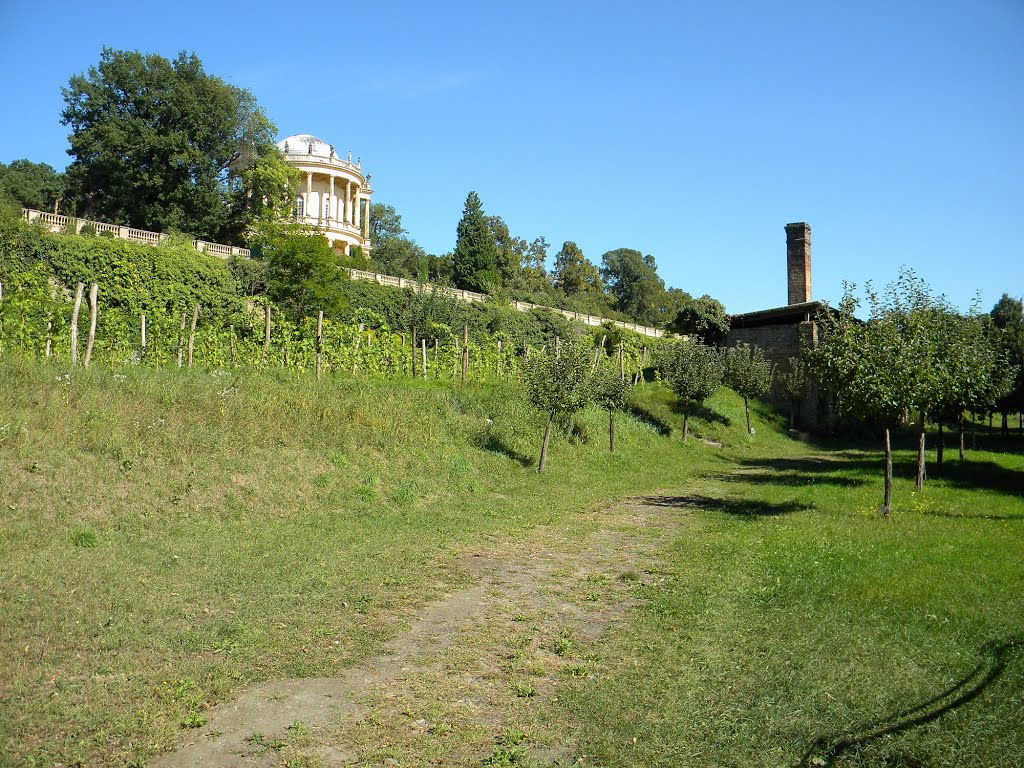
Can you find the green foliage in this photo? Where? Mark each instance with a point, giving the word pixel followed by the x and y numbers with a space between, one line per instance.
pixel 747 371
pixel 704 318
pixel 474 262
pixel 634 284
pixel 558 383
pixel 693 372
pixel 31 185
pixel 609 390
pixel 303 276
pixel 574 273
pixel 393 252
pixel 156 142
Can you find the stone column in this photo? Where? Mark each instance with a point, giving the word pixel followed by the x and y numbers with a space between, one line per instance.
pixel 308 194
pixel 359 211
pixel 330 201
pixel 367 220
pixel 348 202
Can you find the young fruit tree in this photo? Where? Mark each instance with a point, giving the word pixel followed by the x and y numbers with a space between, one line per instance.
pixel 748 373
pixel 693 371
pixel 609 392
pixel 557 384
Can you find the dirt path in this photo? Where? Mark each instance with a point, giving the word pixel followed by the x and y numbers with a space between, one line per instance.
pixel 466 678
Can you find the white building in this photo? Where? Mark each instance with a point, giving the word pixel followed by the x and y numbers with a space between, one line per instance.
pixel 335 195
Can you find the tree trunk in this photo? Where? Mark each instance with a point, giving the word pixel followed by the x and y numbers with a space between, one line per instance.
pixel 746 409
pixel 319 343
pixel 919 482
pixel 792 416
pixel 887 501
pixel 974 431
pixel 1006 426
pixel 961 437
pixel 181 339
pixel 938 452
pixel 266 333
pixel 192 334
pixel 611 430
pixel 544 444
pixel 686 424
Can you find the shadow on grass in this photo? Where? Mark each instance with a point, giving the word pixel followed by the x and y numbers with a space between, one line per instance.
pixel 642 414
pixel 488 441
pixel 703 413
pixel 790 479
pixel 738 507
pixel 827 749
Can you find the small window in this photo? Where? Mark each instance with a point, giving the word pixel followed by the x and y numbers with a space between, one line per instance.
pixel 299 207
pixel 327 208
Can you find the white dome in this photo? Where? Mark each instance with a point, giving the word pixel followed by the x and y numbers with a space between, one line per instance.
pixel 304 143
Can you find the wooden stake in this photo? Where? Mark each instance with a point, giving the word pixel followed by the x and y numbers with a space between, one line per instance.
pixel 423 347
pixel 622 364
pixel 319 342
pixel 558 347
pixel 49 335
pixel 355 354
pixel 181 332
pixel 192 334
pixel 465 351
pixel 74 323
pixel 142 346
pixel 93 313
pixel 414 345
pixel 266 333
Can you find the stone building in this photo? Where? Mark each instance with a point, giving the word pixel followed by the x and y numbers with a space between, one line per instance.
pixel 783 332
pixel 334 194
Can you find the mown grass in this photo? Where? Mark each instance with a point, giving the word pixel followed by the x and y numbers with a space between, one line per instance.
pixel 793 625
pixel 170 535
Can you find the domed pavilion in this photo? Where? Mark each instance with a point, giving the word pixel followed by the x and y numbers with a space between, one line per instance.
pixel 335 195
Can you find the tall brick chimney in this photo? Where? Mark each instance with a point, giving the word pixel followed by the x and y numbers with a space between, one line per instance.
pixel 798 262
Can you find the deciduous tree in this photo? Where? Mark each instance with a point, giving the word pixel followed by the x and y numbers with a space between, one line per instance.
pixel 557 383
pixel 609 392
pixel 748 373
pixel 693 371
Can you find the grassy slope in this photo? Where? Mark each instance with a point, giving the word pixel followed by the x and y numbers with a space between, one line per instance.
pixel 265 526
pixel 250 527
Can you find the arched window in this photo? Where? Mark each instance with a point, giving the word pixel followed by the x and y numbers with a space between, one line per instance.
pixel 299 203
pixel 327 207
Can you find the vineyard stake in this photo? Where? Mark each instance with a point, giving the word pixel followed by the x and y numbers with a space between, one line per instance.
pixel 142 348
pixel 93 312
pixel 231 344
pixel 181 332
pixel 319 342
pixel 192 334
pixel 266 333
pixel 74 323
pixel 465 351
pixel 423 346
pixel 49 335
pixel 355 355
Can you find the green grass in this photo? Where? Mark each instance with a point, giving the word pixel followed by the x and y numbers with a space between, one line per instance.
pixel 168 536
pixel 795 626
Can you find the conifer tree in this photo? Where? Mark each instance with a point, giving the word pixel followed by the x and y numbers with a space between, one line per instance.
pixel 475 260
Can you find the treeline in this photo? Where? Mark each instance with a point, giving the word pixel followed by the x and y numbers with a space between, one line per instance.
pixel 490 259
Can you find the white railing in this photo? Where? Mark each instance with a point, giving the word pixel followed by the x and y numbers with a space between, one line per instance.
pixel 57 223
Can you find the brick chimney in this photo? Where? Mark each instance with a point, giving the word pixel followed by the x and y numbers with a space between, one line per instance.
pixel 798 262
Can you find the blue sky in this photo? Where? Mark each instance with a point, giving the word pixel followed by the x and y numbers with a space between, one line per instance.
pixel 690 131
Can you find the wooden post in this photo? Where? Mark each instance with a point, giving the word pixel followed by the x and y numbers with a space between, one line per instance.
pixel 622 364
pixel 597 355
pixel 266 333
pixel 142 345
pixel 181 332
pixel 558 347
pixel 192 334
pixel 231 343
pixel 319 342
pixel 93 312
pixel 919 481
pixel 887 501
pixel 465 351
pixel 49 335
pixel 414 350
pixel 74 323
pixel 355 354
pixel 423 346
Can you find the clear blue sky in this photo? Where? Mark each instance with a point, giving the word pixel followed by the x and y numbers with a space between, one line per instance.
pixel 690 131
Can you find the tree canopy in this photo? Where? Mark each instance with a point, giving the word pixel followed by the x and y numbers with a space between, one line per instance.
pixel 693 371
pixel 475 260
pixel 633 283
pixel 704 318
pixel 162 145
pixel 394 253
pixel 31 185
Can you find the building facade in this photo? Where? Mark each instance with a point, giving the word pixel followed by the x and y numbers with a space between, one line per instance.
pixel 334 195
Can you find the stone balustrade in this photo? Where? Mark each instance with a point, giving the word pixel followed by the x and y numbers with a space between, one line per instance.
pixel 58 223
